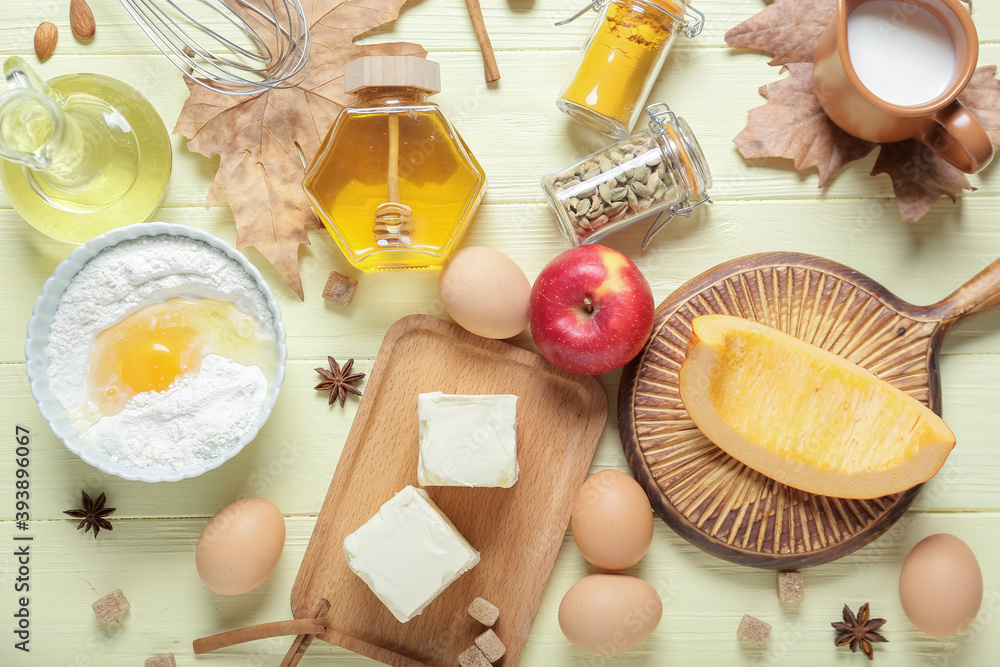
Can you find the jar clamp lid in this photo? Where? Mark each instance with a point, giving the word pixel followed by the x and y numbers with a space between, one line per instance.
pixel 688 161
pixel 691 28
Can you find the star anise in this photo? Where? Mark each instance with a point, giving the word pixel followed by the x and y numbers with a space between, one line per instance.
pixel 859 631
pixel 92 515
pixel 338 381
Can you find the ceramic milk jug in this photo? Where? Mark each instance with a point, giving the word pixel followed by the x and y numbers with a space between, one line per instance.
pixel 889 70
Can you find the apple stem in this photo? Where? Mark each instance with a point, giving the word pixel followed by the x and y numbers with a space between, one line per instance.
pixel 588 304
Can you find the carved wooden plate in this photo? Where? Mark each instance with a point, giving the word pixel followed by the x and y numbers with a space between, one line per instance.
pixel 713 500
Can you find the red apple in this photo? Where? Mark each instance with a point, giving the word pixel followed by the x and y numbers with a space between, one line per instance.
pixel 591 310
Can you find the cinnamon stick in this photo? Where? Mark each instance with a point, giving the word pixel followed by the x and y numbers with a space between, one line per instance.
pixel 489 60
pixel 302 642
pixel 262 631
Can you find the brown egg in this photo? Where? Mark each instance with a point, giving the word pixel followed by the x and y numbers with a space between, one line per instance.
pixel 941 585
pixel 240 546
pixel 612 520
pixel 486 292
pixel 609 613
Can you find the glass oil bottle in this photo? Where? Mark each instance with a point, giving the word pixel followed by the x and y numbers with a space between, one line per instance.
pixel 80 154
pixel 394 183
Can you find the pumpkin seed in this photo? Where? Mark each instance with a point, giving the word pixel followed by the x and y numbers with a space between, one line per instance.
pixel 633 201
pixel 605 191
pixel 653 182
pixel 595 210
pixel 616 210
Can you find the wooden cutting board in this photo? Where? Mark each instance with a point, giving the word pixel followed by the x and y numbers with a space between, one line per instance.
pixel 518 531
pixel 713 500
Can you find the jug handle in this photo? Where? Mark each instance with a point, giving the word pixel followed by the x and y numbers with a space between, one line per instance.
pixel 20 76
pixel 958 138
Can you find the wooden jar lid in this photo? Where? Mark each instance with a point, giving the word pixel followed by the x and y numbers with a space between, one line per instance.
pixel 384 71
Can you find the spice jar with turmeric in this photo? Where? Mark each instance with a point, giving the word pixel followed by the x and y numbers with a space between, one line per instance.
pixel 621 59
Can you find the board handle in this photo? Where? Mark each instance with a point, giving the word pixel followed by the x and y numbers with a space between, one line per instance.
pixel 979 295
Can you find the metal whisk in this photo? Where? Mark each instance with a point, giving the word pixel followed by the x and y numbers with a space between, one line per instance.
pixel 275 59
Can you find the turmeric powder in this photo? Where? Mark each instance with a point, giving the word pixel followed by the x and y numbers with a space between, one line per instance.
pixel 620 63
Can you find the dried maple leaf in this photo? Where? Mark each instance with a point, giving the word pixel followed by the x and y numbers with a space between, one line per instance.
pixel 919 175
pixel 793 125
pixel 787 29
pixel 259 138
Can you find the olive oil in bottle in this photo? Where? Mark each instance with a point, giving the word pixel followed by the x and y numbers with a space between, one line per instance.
pixel 81 154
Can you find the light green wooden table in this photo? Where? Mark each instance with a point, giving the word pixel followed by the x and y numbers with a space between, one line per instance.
pixel 517 133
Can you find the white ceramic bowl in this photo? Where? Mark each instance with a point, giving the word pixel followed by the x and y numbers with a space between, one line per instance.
pixel 38 361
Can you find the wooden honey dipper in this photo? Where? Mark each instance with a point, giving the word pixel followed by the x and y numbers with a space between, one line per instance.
pixel 394 226
pixel 393 219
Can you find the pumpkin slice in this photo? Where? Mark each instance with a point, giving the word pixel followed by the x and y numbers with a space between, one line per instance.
pixel 804 416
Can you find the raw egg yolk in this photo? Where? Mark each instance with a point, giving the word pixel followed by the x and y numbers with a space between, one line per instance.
pixel 153 347
pixel 152 364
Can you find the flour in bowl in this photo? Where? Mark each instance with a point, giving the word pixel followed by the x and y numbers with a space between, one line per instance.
pixel 194 420
pixel 160 351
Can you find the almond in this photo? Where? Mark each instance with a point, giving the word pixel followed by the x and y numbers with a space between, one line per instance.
pixel 46 36
pixel 81 20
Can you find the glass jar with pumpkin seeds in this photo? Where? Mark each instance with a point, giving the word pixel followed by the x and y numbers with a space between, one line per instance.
pixel 658 172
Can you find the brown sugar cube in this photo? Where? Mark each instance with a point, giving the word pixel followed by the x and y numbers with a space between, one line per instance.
pixel 473 657
pixel 790 587
pixel 491 646
pixel 484 611
pixel 161 660
pixel 754 630
pixel 111 606
pixel 340 288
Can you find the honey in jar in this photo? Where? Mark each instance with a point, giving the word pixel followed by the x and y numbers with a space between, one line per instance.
pixel 394 183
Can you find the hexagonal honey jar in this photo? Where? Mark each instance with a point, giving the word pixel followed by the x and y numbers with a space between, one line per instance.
pixel 394 183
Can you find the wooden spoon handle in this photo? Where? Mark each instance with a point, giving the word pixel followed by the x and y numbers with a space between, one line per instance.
pixel 300 626
pixel 979 295
pixel 489 59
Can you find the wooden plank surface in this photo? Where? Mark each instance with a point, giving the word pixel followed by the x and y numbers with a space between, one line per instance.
pixel 150 554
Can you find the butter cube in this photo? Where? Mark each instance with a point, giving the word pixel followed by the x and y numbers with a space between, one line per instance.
pixel 467 440
pixel 409 553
